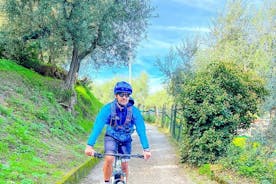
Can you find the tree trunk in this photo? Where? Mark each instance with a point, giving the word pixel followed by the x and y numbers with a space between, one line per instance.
pixel 72 77
pixel 73 71
pixel 51 56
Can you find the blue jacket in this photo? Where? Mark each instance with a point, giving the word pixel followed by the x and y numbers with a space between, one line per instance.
pixel 104 119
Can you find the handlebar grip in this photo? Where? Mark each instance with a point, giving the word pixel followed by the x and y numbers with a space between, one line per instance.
pixel 98 155
pixel 138 156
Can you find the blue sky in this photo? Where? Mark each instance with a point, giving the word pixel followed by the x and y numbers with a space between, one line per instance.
pixel 177 19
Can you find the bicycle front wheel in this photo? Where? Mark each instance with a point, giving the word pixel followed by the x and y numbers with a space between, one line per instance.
pixel 120 182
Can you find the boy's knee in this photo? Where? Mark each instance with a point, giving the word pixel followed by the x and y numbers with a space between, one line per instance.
pixel 124 165
pixel 109 161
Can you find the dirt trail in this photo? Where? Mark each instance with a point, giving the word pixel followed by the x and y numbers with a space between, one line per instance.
pixel 162 168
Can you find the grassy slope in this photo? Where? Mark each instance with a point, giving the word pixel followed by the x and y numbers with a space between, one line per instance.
pixel 40 141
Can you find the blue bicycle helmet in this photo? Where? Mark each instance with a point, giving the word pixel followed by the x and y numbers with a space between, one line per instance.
pixel 122 87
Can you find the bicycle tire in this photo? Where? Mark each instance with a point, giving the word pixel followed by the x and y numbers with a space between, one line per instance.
pixel 120 182
pixel 117 176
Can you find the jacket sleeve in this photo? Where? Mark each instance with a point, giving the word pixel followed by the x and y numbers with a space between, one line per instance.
pixel 100 121
pixel 140 127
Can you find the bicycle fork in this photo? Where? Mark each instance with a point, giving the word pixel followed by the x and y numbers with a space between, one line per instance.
pixel 118 176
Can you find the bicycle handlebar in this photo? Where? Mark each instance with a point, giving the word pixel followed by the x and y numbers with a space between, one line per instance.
pixel 101 155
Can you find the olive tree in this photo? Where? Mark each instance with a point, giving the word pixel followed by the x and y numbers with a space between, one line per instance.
pixel 252 45
pixel 104 31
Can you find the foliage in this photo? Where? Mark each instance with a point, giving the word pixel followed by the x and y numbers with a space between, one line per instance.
pixel 23 53
pixel 87 107
pixel 104 92
pixel 252 160
pixel 177 65
pixel 270 102
pixel 140 86
pixel 103 30
pixel 149 118
pixel 36 131
pixel 270 135
pixel 216 103
pixel 239 142
pixel 205 169
pixel 252 45
pixel 158 99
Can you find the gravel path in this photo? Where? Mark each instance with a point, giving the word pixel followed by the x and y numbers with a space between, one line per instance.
pixel 162 168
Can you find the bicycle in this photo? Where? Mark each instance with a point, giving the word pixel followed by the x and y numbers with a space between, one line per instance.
pixel 118 176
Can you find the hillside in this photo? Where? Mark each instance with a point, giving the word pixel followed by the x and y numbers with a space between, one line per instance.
pixel 40 140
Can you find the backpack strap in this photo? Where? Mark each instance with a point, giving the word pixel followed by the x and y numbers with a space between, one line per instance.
pixel 128 116
pixel 113 118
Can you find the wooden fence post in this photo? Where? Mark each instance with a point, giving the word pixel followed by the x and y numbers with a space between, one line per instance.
pixel 174 120
pixel 156 113
pixel 171 120
pixel 163 116
pixel 179 132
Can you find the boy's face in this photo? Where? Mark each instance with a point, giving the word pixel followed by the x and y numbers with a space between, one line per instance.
pixel 122 98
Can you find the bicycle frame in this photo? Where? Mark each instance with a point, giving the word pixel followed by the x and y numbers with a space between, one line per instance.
pixel 118 175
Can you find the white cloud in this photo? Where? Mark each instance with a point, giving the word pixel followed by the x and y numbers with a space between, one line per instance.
pixel 153 43
pixel 177 28
pixel 164 42
pixel 139 61
pixel 155 84
pixel 153 47
pixel 209 5
pixel 100 81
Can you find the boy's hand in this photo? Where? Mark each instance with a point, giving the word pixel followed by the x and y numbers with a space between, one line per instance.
pixel 89 150
pixel 147 154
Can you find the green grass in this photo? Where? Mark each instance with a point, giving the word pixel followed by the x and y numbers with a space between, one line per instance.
pixel 40 141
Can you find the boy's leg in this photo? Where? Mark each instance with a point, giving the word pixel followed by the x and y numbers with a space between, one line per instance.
pixel 111 147
pixel 107 167
pixel 125 148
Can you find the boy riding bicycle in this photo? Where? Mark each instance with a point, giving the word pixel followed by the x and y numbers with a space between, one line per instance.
pixel 120 118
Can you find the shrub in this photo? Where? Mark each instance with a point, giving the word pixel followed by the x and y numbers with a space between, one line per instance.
pixel 149 118
pixel 205 169
pixel 239 142
pixel 216 103
pixel 252 160
pixel 270 134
